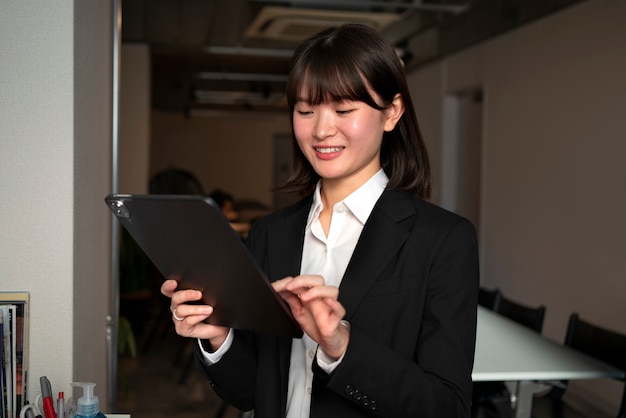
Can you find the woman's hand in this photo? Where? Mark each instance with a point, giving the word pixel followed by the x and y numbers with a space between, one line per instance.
pixel 316 308
pixel 189 319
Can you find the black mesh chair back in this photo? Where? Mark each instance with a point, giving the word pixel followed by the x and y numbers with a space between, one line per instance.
pixel 603 344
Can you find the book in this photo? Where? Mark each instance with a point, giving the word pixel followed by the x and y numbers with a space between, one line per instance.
pixel 3 406
pixel 7 344
pixel 14 309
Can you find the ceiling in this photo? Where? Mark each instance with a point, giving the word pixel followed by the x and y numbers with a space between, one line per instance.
pixel 224 55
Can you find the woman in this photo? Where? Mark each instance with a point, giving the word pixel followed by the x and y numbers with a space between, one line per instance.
pixel 383 283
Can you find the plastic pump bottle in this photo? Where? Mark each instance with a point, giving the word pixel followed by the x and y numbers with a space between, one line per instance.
pixel 88 405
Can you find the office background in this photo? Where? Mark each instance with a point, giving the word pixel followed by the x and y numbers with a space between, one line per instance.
pixel 545 103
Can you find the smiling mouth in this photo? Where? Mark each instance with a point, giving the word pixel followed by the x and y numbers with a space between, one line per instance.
pixel 328 150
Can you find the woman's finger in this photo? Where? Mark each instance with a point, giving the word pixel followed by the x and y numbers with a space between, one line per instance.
pixel 279 285
pixel 318 292
pixel 185 296
pixel 169 287
pixel 185 310
pixel 304 281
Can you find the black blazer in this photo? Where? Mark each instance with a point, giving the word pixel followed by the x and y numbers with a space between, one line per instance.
pixel 410 293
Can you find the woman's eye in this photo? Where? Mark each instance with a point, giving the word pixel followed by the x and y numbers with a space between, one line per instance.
pixel 344 111
pixel 303 112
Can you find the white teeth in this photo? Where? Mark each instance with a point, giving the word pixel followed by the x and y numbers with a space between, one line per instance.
pixel 328 150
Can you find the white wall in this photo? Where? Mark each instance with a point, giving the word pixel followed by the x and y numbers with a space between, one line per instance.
pixel 553 229
pixel 54 170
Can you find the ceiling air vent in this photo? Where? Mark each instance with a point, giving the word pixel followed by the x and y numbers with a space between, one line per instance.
pixel 295 24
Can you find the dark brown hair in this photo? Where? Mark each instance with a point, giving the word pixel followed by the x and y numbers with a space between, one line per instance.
pixel 340 63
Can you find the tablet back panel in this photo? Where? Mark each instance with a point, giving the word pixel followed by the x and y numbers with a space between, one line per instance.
pixel 188 238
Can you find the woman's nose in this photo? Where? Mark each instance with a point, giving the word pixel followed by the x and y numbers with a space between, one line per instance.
pixel 325 125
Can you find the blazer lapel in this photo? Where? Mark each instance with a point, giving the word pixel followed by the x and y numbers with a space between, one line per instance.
pixel 286 241
pixel 382 237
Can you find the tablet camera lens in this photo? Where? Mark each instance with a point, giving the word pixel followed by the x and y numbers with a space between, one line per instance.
pixel 120 210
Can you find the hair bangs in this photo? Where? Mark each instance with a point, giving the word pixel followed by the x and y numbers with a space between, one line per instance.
pixel 325 79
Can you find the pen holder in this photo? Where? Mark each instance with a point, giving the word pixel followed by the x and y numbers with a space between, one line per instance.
pixel 67 411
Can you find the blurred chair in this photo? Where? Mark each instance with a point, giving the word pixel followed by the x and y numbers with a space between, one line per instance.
pixel 493 399
pixel 489 298
pixel 598 342
pixel 531 317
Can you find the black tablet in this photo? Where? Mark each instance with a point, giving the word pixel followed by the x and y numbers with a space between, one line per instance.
pixel 188 238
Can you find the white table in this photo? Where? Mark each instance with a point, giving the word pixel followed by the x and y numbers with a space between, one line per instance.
pixel 507 351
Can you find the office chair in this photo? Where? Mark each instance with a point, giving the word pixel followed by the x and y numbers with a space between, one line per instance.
pixel 493 399
pixel 489 298
pixel 598 342
pixel 528 316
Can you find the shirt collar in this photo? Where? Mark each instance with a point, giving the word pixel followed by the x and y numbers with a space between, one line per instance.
pixel 360 202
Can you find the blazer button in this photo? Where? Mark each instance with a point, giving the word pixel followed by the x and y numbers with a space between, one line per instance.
pixel 349 390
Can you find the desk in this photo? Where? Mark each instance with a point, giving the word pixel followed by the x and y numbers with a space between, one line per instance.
pixel 507 351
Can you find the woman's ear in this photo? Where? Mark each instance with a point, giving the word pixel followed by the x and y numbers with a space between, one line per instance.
pixel 394 112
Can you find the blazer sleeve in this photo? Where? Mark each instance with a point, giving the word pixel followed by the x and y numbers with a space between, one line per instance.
pixel 423 366
pixel 233 377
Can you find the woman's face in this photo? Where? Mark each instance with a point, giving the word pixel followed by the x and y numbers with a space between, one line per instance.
pixel 342 140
